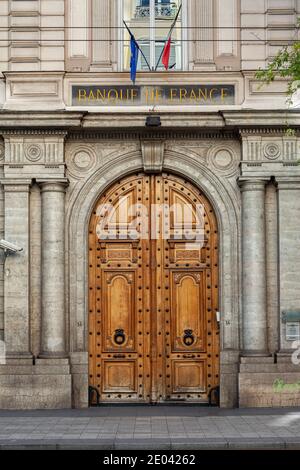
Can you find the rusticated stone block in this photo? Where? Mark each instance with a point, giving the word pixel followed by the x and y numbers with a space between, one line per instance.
pixel 269 389
pixel 35 391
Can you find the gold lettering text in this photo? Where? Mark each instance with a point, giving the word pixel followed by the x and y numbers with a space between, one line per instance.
pixel 212 92
pixel 224 93
pixel 81 94
pixel 193 95
pixel 101 95
pixel 173 93
pixel 182 93
pixel 158 94
pixel 112 95
pixel 133 94
pixel 91 96
pixel 203 94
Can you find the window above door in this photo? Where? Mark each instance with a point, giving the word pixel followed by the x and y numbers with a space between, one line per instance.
pixel 150 22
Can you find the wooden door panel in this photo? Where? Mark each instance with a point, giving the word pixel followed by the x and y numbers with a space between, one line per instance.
pixel 191 267
pixel 118 294
pixel 182 211
pixel 153 292
pixel 114 251
pixel 188 254
pixel 188 311
pixel 119 214
pixel 189 376
pixel 119 377
pixel 119 300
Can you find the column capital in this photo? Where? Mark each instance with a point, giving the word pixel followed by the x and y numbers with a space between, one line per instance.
pixel 16 184
pixel 57 185
pixel 288 183
pixel 252 184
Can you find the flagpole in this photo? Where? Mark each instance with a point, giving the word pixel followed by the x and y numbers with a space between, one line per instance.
pixel 132 36
pixel 170 32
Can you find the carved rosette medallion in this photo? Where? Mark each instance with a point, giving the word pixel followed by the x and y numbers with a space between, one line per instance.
pixel 271 151
pixel 33 152
pixel 223 160
pixel 82 161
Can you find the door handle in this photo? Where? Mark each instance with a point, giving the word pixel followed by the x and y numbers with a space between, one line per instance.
pixel 188 338
pixel 119 356
pixel 189 356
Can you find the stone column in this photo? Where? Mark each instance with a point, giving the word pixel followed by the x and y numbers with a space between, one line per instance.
pixel 289 249
pixel 53 269
pixel 35 269
pixel 16 269
pixel 272 267
pixel 254 267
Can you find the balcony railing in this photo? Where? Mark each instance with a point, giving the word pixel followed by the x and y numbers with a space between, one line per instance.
pixel 161 11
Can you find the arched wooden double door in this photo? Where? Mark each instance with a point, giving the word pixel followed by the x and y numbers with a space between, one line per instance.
pixel 153 292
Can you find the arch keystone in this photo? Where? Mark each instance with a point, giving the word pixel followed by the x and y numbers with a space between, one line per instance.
pixel 153 155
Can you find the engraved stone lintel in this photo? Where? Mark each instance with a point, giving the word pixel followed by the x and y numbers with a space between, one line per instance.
pixel 153 155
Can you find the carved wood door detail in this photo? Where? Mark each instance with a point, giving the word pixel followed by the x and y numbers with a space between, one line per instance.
pixel 153 292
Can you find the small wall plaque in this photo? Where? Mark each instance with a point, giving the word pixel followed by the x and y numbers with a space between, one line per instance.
pixel 290 316
pixel 292 332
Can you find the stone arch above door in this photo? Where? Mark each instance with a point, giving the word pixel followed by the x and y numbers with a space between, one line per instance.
pixel 225 201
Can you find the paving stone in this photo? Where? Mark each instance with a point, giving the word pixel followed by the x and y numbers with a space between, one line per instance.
pixel 213 428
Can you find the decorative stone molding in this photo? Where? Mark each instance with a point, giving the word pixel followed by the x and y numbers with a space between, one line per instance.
pixel 82 160
pixel 163 134
pixel 33 152
pixel 265 149
pixel 153 155
pixel 37 154
pixel 21 149
pixel 223 159
pixel 272 151
pixel 25 132
pixel 34 90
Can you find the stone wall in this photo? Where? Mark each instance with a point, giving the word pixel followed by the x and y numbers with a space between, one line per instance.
pixel 51 180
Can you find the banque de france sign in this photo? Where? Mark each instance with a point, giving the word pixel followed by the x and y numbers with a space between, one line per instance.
pixel 139 95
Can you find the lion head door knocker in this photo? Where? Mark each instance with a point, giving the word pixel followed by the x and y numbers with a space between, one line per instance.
pixel 119 337
pixel 188 338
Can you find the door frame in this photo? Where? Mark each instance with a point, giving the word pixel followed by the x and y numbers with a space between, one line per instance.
pixel 225 203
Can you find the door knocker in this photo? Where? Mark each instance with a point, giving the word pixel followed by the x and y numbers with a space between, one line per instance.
pixel 119 337
pixel 188 338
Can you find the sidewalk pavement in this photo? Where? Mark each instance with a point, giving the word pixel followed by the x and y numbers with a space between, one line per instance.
pixel 151 427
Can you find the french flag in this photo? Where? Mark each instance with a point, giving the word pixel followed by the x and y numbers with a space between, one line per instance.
pixel 166 54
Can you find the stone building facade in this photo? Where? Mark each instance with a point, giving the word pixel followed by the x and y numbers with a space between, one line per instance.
pixel 60 151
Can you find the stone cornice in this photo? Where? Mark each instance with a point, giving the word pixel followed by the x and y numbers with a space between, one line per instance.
pixel 249 119
pixel 270 131
pixel 159 134
pixel 32 132
pixel 57 122
pixel 40 122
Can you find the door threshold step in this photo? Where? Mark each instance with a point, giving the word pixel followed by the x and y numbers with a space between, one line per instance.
pixel 166 403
